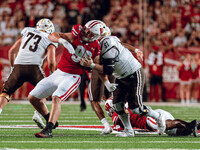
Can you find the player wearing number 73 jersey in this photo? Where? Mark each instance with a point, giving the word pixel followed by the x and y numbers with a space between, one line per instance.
pixel 79 43
pixel 26 58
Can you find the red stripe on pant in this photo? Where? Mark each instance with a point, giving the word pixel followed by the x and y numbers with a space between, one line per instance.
pixel 71 89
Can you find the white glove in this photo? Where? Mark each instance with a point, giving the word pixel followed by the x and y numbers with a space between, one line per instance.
pixel 67 45
pixel 110 86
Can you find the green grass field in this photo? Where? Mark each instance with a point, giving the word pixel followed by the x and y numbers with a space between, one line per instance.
pixel 23 138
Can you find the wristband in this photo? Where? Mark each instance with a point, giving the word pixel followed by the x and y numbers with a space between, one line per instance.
pixel 92 65
pixel 61 40
pixel 136 50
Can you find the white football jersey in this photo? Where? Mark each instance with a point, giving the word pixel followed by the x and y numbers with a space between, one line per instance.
pixel 125 63
pixel 33 47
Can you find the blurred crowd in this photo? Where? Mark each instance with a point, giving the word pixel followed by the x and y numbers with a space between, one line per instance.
pixel 17 14
pixel 165 23
pixel 158 26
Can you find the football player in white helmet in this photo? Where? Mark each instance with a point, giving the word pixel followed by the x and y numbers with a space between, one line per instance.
pixel 26 58
pixel 174 127
pixel 93 30
pixel 45 25
pixel 116 59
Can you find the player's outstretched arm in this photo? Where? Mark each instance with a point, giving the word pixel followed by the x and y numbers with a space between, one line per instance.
pixel 64 39
pixel 138 52
pixel 13 51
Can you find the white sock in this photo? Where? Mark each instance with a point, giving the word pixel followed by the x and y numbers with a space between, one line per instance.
pixel 125 118
pixel 0 110
pixel 153 114
pixel 105 122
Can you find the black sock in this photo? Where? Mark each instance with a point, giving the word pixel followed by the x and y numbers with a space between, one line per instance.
pixel 46 117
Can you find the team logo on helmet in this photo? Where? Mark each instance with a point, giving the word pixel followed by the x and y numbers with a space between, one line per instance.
pixel 45 25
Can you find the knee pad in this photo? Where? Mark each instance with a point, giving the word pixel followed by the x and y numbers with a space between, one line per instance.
pixel 5 95
pixel 120 109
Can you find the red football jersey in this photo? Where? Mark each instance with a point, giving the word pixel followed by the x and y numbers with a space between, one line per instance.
pixel 137 121
pixel 71 63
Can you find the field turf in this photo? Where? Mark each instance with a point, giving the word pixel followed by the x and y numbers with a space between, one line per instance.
pixel 17 130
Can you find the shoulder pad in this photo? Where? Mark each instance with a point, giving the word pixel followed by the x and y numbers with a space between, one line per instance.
pixel 106 43
pixel 76 30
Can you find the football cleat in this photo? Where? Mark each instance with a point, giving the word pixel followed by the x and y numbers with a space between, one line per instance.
pixel 161 124
pixel 55 126
pixel 107 130
pixel 126 133
pixel 45 133
pixel 38 120
pixel 194 124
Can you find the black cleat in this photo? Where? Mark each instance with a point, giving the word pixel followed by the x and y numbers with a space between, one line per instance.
pixel 45 133
pixel 195 127
pixel 56 125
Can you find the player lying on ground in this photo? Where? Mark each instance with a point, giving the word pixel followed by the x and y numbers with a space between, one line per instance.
pixel 174 127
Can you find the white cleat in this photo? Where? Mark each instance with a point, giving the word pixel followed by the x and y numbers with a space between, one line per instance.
pixel 38 120
pixel 161 124
pixel 107 130
pixel 126 133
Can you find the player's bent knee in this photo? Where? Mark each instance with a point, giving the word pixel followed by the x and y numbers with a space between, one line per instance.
pixel 56 100
pixel 32 99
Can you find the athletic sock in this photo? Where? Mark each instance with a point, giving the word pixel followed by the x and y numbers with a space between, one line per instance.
pixel 46 117
pixel 0 110
pixel 126 121
pixel 105 122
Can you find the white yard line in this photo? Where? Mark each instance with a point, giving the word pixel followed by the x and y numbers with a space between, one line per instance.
pixel 105 142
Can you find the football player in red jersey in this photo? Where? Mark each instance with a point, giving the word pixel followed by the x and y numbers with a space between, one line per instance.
pixel 79 43
pixel 174 127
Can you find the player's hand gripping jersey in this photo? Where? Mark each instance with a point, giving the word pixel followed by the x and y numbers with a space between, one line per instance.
pixel 30 51
pixel 71 63
pixel 115 57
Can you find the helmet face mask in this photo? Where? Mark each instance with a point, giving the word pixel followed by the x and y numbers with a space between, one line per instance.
pixel 45 25
pixel 88 35
pixel 93 30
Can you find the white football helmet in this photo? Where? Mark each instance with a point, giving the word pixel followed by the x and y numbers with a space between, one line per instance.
pixel 109 107
pixel 45 25
pixel 93 30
